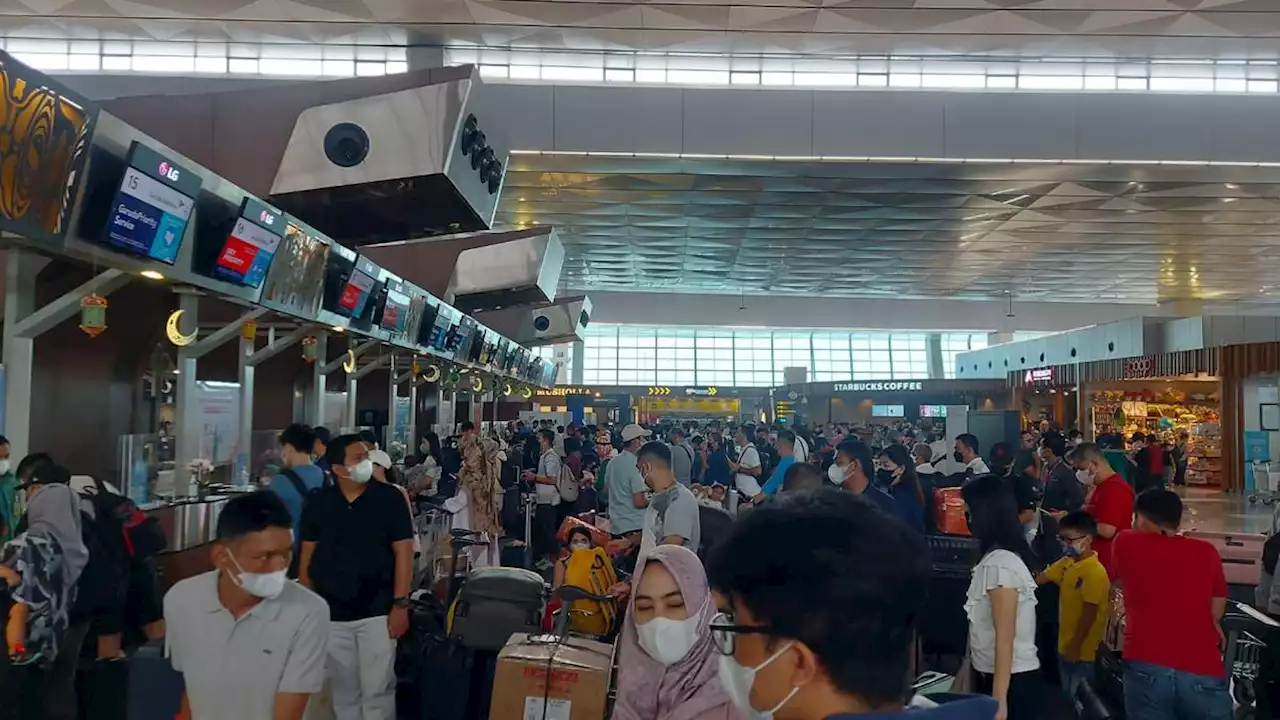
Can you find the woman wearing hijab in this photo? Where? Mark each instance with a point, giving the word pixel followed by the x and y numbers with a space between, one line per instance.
pixel 669 664
pixel 41 568
pixel 478 481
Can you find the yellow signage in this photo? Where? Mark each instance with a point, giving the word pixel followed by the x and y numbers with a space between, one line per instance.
pixel 659 391
pixel 702 405
pixel 563 391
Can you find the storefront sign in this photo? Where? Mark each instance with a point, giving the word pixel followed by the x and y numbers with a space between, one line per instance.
pixel 711 391
pixel 897 386
pixel 1137 367
pixel 563 391
pixel 1039 375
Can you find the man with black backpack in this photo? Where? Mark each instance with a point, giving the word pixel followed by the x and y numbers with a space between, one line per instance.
pixel 298 478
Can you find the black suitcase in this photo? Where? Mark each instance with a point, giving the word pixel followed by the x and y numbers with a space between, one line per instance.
pixel 1253 653
pixel 444 673
pixel 495 603
pixel 155 688
pixel 1090 706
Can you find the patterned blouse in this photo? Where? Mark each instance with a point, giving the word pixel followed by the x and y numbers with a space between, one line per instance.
pixel 44 590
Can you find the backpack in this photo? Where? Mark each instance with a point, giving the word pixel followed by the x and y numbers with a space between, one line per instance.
pixel 143 535
pixel 300 487
pixel 567 485
pixel 592 571
pixel 104 583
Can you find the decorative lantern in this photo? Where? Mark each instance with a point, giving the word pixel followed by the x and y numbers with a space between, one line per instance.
pixel 249 329
pixel 309 349
pixel 454 377
pixel 93 314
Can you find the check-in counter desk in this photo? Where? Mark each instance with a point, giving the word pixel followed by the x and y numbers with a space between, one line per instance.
pixel 190 525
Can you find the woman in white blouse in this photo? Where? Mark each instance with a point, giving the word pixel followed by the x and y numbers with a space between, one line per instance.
pixel 1001 602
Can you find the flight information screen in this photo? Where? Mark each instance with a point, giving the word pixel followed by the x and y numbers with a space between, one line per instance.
pixel 152 206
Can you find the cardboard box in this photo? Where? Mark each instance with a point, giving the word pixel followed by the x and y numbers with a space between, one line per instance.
pixel 579 672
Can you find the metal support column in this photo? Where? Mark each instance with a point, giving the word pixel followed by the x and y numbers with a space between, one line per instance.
pixel 186 409
pixel 244 442
pixel 393 395
pixel 250 358
pixel 353 377
pixel 577 367
pixel 354 351
pixel 23 323
pixel 933 346
pixel 316 391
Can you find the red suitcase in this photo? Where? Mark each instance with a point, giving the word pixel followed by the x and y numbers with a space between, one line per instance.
pixel 1241 554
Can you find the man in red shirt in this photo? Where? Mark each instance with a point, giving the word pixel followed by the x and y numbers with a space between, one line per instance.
pixel 1175 594
pixel 1109 499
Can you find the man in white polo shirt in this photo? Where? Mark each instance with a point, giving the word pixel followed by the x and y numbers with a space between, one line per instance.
pixel 249 642
pixel 746 470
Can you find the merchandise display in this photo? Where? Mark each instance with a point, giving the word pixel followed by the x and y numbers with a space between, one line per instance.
pixel 1166 411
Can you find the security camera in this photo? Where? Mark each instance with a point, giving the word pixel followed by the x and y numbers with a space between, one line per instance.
pixel 541 323
pixel 346 145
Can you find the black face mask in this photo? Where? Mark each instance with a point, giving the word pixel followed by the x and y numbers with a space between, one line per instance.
pixel 884 477
pixel 959 458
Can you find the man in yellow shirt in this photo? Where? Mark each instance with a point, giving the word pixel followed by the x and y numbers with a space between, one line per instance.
pixel 1084 594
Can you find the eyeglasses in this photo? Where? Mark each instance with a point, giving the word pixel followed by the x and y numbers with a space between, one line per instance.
pixel 724 634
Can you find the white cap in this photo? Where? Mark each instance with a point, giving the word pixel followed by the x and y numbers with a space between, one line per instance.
pixel 633 431
pixel 380 458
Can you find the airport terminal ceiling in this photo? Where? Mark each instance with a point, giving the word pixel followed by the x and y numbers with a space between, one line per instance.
pixel 1058 28
pixel 1133 234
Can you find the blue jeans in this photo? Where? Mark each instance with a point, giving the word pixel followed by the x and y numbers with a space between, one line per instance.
pixel 1071 674
pixel 1153 692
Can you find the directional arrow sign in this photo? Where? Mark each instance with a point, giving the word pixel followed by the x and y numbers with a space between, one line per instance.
pixel 713 390
pixel 659 391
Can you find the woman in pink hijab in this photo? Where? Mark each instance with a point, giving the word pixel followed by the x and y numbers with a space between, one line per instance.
pixel 668 662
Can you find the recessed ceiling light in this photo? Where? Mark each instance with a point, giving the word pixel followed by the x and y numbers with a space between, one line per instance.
pixel 339 328
pixel 151 274
pixel 1232 186
pixel 1229 199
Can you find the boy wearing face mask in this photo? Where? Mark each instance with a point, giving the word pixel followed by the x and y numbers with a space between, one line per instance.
pixel 357 554
pixel 248 642
pixel 1084 592
pixel 818 596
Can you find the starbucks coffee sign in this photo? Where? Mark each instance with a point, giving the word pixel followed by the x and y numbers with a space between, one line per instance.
pixel 895 386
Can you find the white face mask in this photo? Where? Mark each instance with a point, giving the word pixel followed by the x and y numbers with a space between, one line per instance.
pixel 580 546
pixel 4 467
pixel 362 472
pixel 738 682
pixel 263 585
pixel 835 474
pixel 1085 477
pixel 668 641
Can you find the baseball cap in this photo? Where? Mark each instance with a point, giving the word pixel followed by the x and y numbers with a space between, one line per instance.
pixel 633 431
pixel 380 458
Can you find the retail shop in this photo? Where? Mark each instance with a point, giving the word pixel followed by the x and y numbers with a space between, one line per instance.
pixel 1046 395
pixel 890 402
pixel 1164 395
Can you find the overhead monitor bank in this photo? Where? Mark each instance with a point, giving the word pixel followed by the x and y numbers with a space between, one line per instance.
pixel 106 193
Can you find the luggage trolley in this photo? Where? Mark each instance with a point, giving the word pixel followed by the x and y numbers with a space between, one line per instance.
pixel 1266 482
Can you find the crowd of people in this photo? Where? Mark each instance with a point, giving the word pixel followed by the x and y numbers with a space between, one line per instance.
pixel 775 572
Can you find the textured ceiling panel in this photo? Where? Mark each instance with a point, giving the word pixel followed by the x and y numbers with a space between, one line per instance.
pixel 1135 28
pixel 1074 233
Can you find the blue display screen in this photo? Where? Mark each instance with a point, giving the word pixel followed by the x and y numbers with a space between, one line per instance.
pixel 152 207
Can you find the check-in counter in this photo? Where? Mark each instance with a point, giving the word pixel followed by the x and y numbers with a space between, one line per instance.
pixel 190 525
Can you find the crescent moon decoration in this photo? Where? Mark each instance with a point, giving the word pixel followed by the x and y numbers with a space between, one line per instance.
pixel 506 389
pixel 350 363
pixel 174 333
pixel 526 393
pixel 432 373
pixel 477 384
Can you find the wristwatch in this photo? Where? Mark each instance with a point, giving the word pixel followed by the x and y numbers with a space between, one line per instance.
pixel 400 602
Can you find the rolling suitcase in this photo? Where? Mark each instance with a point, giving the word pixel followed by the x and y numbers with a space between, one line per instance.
pixel 495 603
pixel 1253 642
